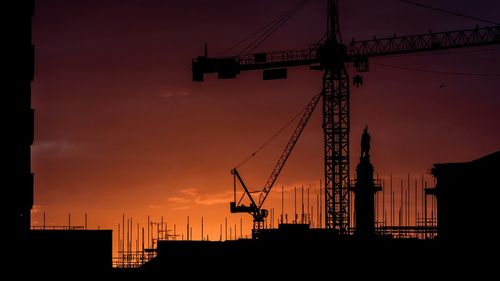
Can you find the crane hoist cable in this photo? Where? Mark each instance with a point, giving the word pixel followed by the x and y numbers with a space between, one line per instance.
pixel 288 148
pixel 448 12
pixel 435 71
pixel 274 136
pixel 255 208
pixel 264 37
pixel 266 29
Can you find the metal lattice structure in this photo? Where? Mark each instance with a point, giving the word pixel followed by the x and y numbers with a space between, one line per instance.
pixel 288 149
pixel 425 42
pixel 336 126
pixel 255 209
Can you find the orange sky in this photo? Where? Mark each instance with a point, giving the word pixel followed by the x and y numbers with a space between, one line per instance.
pixel 120 127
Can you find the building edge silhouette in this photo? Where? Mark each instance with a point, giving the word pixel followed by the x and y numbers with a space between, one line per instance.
pixel 46 252
pixel 18 62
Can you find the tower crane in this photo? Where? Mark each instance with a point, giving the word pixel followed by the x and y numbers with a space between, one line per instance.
pixel 255 208
pixel 332 56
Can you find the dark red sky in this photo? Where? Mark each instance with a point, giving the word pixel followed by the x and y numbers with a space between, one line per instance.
pixel 120 127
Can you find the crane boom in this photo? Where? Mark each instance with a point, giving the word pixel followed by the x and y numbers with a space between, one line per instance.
pixel 288 149
pixel 229 67
pixel 254 209
pixel 425 42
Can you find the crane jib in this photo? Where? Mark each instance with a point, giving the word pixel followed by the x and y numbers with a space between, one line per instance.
pixel 255 209
pixel 230 67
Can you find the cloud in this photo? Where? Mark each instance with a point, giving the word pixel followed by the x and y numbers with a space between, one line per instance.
pixel 167 94
pixel 154 206
pixel 190 191
pixel 213 199
pixel 179 203
pixel 188 197
pixel 180 208
pixel 192 196
pixel 53 146
pixel 178 200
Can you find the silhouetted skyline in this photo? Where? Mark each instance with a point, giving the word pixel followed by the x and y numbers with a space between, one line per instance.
pixel 120 127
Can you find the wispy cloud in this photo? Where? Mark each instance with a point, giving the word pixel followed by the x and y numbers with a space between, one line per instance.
pixel 190 191
pixel 193 196
pixel 213 199
pixel 190 197
pixel 167 94
pixel 55 146
pixel 154 206
pixel 178 200
pixel 180 208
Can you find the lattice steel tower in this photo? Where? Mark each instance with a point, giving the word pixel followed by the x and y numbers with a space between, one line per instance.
pixel 336 124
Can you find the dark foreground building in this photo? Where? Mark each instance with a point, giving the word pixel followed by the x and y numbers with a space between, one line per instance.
pixel 77 251
pixel 467 199
pixel 310 253
pixel 39 253
pixel 16 115
pixel 467 195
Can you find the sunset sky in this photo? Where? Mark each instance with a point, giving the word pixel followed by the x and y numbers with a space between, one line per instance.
pixel 121 128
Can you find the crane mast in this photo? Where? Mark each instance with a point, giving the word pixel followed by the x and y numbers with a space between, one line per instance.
pixel 331 57
pixel 336 124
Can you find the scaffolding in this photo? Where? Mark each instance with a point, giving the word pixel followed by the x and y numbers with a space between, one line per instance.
pixel 145 247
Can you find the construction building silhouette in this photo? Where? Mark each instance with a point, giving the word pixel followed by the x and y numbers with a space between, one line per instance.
pixel 464 216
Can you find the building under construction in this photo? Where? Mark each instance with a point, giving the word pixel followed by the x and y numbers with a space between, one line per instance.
pixel 297 248
pixel 352 240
